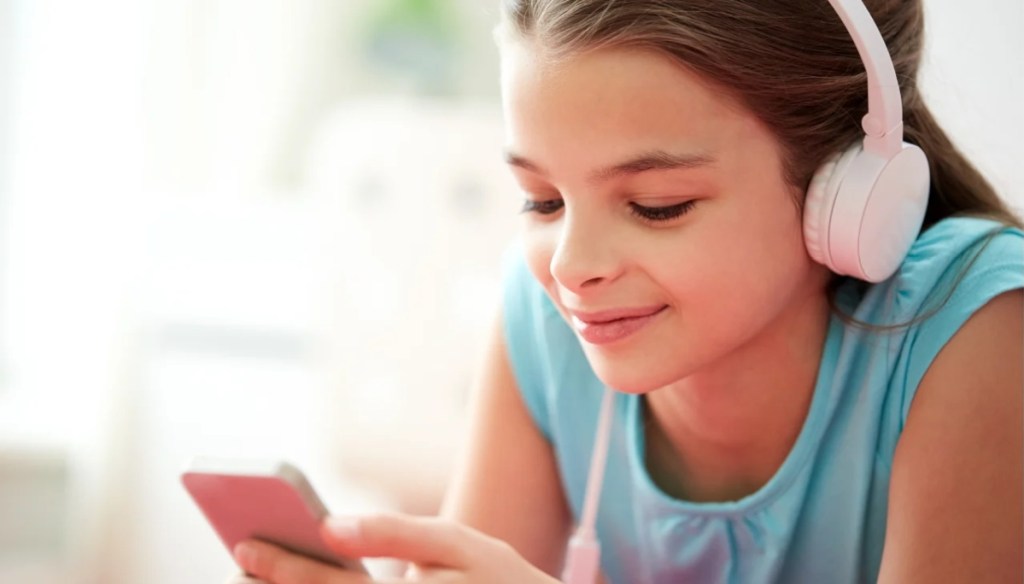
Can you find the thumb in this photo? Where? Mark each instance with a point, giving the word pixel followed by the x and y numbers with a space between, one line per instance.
pixel 428 541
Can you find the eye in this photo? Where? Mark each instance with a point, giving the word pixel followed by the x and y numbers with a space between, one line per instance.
pixel 662 213
pixel 542 207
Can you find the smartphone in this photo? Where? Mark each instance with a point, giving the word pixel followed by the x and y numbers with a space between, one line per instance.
pixel 266 500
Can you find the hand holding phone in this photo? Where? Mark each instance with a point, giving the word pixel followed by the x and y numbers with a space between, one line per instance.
pixel 269 501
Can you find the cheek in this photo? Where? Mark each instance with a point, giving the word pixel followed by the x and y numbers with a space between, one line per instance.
pixel 759 239
pixel 739 275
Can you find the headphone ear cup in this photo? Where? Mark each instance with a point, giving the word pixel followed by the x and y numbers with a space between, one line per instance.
pixel 877 213
pixel 820 201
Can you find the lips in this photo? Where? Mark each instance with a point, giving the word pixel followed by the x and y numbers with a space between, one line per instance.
pixel 608 326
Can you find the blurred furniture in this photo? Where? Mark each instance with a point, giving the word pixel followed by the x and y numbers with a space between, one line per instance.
pixel 35 485
pixel 422 208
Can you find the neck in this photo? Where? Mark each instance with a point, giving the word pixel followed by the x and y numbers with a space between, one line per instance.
pixel 723 432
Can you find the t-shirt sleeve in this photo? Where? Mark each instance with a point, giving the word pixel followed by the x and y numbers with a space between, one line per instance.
pixel 524 310
pixel 959 285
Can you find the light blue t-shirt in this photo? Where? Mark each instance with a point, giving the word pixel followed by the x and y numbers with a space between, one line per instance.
pixel 821 518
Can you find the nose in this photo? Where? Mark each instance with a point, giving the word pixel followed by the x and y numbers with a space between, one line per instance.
pixel 584 256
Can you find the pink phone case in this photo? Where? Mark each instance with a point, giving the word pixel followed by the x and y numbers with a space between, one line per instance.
pixel 269 501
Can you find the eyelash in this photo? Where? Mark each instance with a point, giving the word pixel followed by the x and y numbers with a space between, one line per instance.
pixel 655 214
pixel 547 207
pixel 651 214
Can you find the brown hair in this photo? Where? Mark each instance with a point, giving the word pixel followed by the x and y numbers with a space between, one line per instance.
pixel 790 62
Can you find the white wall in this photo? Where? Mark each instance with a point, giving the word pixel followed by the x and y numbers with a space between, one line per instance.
pixel 973 77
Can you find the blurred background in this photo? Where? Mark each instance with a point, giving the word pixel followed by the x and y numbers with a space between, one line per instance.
pixel 272 229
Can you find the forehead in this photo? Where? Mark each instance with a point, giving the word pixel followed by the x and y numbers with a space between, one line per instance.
pixel 615 99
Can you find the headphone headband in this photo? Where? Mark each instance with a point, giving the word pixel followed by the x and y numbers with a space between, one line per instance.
pixel 883 124
pixel 865 206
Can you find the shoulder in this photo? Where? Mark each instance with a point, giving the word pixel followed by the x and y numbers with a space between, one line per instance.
pixel 959 257
pixel 532 323
pixel 956 404
pixel 522 293
pixel 952 268
pixel 955 268
pixel 957 468
pixel 542 350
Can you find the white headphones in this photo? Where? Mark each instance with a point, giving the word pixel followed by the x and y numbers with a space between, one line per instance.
pixel 865 206
pixel 864 209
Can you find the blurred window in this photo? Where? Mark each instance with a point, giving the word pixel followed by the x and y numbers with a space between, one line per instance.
pixel 7 37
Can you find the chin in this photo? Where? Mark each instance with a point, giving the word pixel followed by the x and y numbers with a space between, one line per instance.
pixel 631 377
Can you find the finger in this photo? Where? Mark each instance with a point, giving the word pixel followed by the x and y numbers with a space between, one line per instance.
pixel 278 566
pixel 423 540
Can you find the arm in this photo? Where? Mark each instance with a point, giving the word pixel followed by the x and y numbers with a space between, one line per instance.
pixel 506 483
pixel 955 511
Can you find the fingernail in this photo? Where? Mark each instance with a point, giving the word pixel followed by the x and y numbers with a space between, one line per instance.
pixel 245 555
pixel 343 527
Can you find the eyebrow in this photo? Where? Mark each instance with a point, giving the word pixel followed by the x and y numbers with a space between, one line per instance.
pixel 653 160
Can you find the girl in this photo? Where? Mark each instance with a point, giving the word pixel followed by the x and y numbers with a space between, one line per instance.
pixel 774 421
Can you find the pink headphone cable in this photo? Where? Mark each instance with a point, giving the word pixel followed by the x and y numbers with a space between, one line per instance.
pixel 583 556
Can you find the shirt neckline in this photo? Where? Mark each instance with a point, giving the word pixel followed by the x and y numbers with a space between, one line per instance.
pixel 808 438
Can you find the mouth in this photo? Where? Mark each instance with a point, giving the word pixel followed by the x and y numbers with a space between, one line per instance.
pixel 609 326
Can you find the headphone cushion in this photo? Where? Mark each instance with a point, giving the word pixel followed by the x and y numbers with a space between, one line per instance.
pixel 878 213
pixel 820 200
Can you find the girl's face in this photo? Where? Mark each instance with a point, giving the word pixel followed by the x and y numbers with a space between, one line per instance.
pixel 650 195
